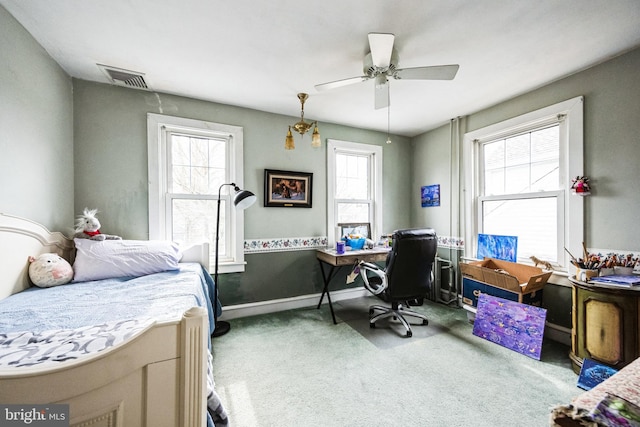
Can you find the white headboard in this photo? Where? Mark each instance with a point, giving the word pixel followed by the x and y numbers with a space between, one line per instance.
pixel 19 239
pixel 197 253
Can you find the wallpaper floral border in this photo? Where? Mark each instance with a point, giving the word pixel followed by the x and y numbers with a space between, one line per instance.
pixel 282 244
pixel 451 242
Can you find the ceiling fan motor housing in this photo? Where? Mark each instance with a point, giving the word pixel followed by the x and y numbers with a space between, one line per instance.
pixel 372 71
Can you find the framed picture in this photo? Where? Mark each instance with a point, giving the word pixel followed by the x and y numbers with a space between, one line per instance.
pixel 287 189
pixel 361 228
pixel 430 195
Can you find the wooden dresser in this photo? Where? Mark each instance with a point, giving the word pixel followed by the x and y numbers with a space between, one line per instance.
pixel 606 324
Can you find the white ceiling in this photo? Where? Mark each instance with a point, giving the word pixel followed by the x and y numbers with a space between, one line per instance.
pixel 260 54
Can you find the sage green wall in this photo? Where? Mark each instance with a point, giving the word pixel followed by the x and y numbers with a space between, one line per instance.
pixel 111 175
pixel 611 141
pixel 611 153
pixel 611 146
pixel 431 165
pixel 36 131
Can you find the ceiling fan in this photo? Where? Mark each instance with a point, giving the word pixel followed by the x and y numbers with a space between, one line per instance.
pixel 381 63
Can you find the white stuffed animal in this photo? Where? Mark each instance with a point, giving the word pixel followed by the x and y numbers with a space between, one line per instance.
pixel 88 227
pixel 49 270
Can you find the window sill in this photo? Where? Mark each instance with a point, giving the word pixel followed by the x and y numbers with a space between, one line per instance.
pixel 228 267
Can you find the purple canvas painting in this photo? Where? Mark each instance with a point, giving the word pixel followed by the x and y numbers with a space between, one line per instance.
pixel 518 327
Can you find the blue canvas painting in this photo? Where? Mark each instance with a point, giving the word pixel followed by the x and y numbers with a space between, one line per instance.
pixel 498 247
pixel 593 373
pixel 430 195
pixel 518 327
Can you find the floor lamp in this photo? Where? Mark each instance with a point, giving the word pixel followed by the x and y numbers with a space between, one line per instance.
pixel 242 200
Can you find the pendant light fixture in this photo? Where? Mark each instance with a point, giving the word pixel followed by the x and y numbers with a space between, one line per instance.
pixel 303 127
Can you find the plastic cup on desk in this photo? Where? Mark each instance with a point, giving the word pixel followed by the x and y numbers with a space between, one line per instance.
pixel 339 248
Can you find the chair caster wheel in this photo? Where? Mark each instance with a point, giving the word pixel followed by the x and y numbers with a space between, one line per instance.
pixel 425 322
pixel 372 325
pixel 409 334
pixel 370 311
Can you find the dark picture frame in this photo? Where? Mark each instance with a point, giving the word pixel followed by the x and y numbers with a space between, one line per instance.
pixel 287 189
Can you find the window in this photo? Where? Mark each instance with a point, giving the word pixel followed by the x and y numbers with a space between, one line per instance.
pixel 522 170
pixel 188 161
pixel 354 186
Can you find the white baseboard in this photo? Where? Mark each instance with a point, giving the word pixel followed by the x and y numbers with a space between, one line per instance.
pixel 552 331
pixel 273 306
pixel 558 333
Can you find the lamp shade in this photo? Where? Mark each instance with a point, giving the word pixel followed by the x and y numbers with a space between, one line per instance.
pixel 315 138
pixel 289 143
pixel 244 198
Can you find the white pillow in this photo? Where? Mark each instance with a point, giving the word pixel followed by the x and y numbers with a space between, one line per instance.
pixel 96 260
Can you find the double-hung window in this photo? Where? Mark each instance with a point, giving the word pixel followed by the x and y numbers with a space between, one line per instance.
pixel 188 162
pixel 521 172
pixel 354 183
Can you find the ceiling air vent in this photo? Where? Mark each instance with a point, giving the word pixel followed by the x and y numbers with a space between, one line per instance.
pixel 127 78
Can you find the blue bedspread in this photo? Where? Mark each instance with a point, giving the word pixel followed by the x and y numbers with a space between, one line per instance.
pixel 162 296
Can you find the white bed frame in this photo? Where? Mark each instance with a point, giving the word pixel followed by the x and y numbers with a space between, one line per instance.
pixel 156 379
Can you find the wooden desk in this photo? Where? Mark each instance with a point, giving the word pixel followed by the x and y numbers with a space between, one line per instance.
pixel 606 324
pixel 329 258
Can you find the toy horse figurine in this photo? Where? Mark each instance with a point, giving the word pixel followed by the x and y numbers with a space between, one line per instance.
pixel 537 261
pixel 88 227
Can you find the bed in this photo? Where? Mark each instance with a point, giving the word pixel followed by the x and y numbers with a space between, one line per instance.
pixel 612 402
pixel 127 351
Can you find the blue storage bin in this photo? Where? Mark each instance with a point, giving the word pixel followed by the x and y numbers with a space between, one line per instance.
pixel 356 243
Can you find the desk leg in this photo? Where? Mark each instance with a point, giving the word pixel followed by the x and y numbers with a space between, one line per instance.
pixel 325 290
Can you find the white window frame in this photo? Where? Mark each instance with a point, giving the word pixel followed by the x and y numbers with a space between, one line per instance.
pixel 569 115
pixel 158 128
pixel 374 154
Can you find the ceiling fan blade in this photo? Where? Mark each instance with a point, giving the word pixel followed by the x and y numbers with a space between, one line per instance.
pixel 339 83
pixel 381 95
pixel 381 45
pixel 438 72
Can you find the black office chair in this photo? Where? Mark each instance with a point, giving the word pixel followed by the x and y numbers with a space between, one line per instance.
pixel 406 278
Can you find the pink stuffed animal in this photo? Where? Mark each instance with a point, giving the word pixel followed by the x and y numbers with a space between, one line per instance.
pixel 88 227
pixel 49 270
